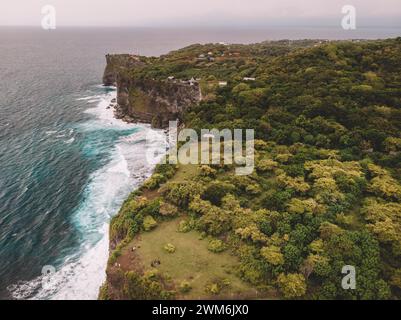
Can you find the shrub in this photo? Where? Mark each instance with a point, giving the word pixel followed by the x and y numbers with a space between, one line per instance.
pixel 137 287
pixel 115 254
pixel 152 208
pixel 216 286
pixel 152 274
pixel 103 292
pixel 154 181
pixel 207 171
pixel 167 170
pixel 184 226
pixel 129 220
pixel 216 246
pixel 185 287
pixel 167 209
pixel 212 288
pixel 169 248
pixel 149 223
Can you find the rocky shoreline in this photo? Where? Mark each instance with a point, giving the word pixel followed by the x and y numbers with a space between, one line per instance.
pixel 119 112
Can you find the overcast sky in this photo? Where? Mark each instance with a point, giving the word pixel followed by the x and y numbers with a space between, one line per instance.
pixel 200 12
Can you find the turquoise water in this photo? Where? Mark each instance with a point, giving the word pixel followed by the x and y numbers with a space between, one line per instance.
pixel 65 168
pixel 65 164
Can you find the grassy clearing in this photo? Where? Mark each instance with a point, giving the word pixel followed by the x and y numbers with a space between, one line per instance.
pixel 185 172
pixel 190 262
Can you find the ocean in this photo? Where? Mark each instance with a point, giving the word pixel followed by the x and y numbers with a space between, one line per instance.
pixel 66 165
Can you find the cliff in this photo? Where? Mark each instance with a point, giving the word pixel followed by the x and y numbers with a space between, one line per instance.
pixel 146 99
pixel 117 63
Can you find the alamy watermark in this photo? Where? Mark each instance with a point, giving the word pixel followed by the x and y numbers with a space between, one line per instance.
pixel 214 147
pixel 48 279
pixel 349 20
pixel 48 21
pixel 349 280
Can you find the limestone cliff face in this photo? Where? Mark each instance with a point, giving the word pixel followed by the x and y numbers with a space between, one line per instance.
pixel 117 63
pixel 147 100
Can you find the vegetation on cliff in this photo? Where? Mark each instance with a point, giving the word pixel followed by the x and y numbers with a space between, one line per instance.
pixel 325 193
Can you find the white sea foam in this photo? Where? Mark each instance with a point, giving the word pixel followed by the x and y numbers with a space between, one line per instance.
pixel 91 98
pixel 69 141
pixel 61 134
pixel 82 273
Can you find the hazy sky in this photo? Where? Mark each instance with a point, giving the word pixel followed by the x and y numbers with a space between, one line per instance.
pixel 200 12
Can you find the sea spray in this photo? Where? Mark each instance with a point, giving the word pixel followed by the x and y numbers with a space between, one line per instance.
pixel 80 273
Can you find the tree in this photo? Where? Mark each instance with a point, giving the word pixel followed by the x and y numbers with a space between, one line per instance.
pixel 276 200
pixel 297 184
pixel 392 144
pixel 396 279
pixel 216 191
pixel 272 255
pixel 240 87
pixel 385 186
pixel 292 257
pixel 292 285
pixel 251 232
pixel 213 220
pixel 383 218
pixel 308 206
pixel 182 193
pixel 253 97
pixel 266 165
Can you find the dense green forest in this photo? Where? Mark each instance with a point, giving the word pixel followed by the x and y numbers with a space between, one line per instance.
pixel 326 189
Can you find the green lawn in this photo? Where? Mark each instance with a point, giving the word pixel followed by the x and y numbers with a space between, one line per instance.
pixel 191 261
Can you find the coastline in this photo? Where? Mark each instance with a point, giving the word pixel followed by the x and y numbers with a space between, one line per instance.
pixel 155 142
pixel 152 138
pixel 80 273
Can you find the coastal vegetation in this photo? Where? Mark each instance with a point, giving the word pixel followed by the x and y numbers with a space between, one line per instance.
pixel 325 192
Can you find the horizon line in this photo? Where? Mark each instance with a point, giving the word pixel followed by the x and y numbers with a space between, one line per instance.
pixel 200 26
